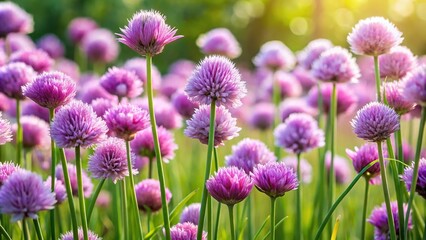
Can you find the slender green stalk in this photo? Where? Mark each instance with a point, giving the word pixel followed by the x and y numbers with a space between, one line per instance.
pixel 94 197
pixel 332 118
pixel 386 192
pixel 25 229
pixel 208 167
pixel 157 148
pixel 209 217
pixel 231 221
pixel 18 133
pixel 148 221
pixel 273 218
pixel 81 193
pixel 377 77
pixel 249 217
pixel 150 167
pixel 38 229
pixel 52 175
pixel 364 209
pixel 4 233
pixel 216 226
pixel 276 98
pixel 117 212
pixel 298 229
pixel 416 168
pixel 124 209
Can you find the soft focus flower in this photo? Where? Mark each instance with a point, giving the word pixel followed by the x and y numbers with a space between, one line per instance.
pixel 69 235
pixel 397 63
pixel 148 195
pixel 13 76
pixel 262 116
pixel 5 131
pixel 286 82
pixel 407 152
pixel 275 55
pixel 415 85
pixel 76 125
pixel 72 173
pixel 104 199
pixel 183 105
pixel 313 51
pixel 110 160
pixel 230 185
pixel 305 167
pixel 216 79
pixel 374 36
pixel 51 89
pixel 299 133
pixel 38 59
pixel 185 231
pixel 407 177
pixel 191 214
pixel 100 46
pixel 291 106
pixel 171 83
pixel 336 65
pixel 375 122
pixel 225 125
pixel 35 132
pixel 101 106
pixel 24 194
pixel 79 27
pixel 363 156
pixel 51 44
pixel 165 114
pixel 342 171
pixel 219 41
pixel 122 83
pixel 379 219
pixel 14 19
pixel 31 108
pixel 93 90
pixel 6 169
pixel 125 120
pixel 304 77
pixel 68 67
pixel 138 66
pixel 18 42
pixel 147 33
pixel 396 99
pixel 182 67
pixel 248 153
pixel 60 191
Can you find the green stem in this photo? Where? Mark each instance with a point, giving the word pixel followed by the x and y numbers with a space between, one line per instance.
pixel 94 197
pixel 273 218
pixel 81 193
pixel 18 133
pixel 416 169
pixel 391 222
pixel 38 229
pixel 332 119
pixel 276 98
pixel 216 226
pixel 298 231
pixel 231 221
pixel 117 213
pixel 377 77
pixel 364 209
pixel 209 217
pixel 150 167
pixel 249 216
pixel 148 221
pixel 208 167
pixel 25 229
pixel 124 209
pixel 4 233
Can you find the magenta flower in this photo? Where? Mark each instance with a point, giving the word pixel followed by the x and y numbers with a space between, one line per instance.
pixel 100 46
pixel 103 200
pixel 76 125
pixel 69 235
pixel 93 90
pixel 291 106
pixel 407 177
pixel 305 167
pixel 182 68
pixel 287 83
pixel 165 114
pixel 79 27
pixel 275 55
pixel 379 219
pixel 397 63
pixel 191 214
pixel 415 85
pixel 171 83
pixel 342 171
pixel 375 122
pixel 185 231
pixel 51 89
pixel 225 125
pixel 374 36
pixel 35 132
pixel 216 79
pixel 101 106
pixel 68 67
pixel 313 51
pixel 143 144
pixel 147 33
pixel 363 156
pixel 14 19
pixel 219 41
pixel 183 105
pixel 13 77
pixel 72 173
pixel 230 185
pixel 60 191
pixel 138 66
pixel 262 116
pixel 148 195
pixel 31 108
pixel 304 77
pixel 5 131
pixel 19 42
pixel 51 44
pixel 122 83
pixel 38 59
pixel 24 194
pixel 6 169
pixel 396 99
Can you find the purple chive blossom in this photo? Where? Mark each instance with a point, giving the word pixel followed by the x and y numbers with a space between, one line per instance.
pixel 219 41
pixel 165 114
pixel 122 83
pixel 79 28
pixel 31 108
pixel 5 103
pixel 363 156
pixel 110 160
pixel 407 177
pixel 60 191
pixel 396 99
pixel 291 106
pixel 415 85
pixel 24 194
pixel 274 179
pixel 287 83
pixel 182 67
pixel 68 67
pixel 313 51
pixel 125 120
pixel 148 195
pixel 230 185
pixel 138 66
pixel 375 122
pixel 248 153
pixel 262 116
pixel 6 169
pixel 51 89
pixel 147 33
pixel 342 170
pixel 69 235
pixel 19 42
pixel 76 125
pixel 183 105
pixel 100 46
pixel 379 219
pixel 170 84
pixel 93 90
pixel 35 132
pixel 14 19
pixel 5 131
pixel 38 59
pixel 304 77
pixel 72 173
pixel 13 77
pixel 101 106
pixel 336 65
pixel 305 167
pixel 374 36
pixel 216 79
pixel 275 55
pixel 397 63
pixel 143 144
pixel 225 125
pixel 185 231
pixel 299 133
pixel 51 44
pixel 191 214
pixel 103 200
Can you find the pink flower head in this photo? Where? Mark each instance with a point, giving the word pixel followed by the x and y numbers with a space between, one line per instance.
pixel 342 171
pixel 290 106
pixel 262 116
pixel 14 19
pixel 18 42
pixel 407 177
pixel 185 231
pixel 31 108
pixel 100 46
pixel 60 191
pixel 93 90
pixel 183 105
pixel 379 219
pixel 68 67
pixel 396 99
pixel 363 156
pixel 165 113
pixel 275 55
pixel 191 214
pixel 38 59
pixel 304 77
pixel 51 44
pixel 182 67
pixel 35 132
pixel 79 27
pixel 305 167
pixel 397 63
pixel 69 235
pixel 122 83
pixel 287 83
pixel 415 85
pixel 148 195
pixel 13 77
pixel 72 174
pixel 219 41
pixel 5 131
pixel 138 66
pixel 313 51
pixel 101 106
pixel 6 169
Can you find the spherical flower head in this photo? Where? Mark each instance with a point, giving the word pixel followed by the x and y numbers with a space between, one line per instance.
pixel 230 185
pixel 415 85
pixel 69 235
pixel 100 46
pixel 191 214
pixel 225 125
pixel 219 41
pixel 375 122
pixel 249 153
pixel 299 134
pixel 313 51
pixel 51 44
pixel 138 66
pixel 274 179
pixel 143 144
pixel 374 36
pixel 363 156
pixel 342 170
pixel 68 67
pixel 379 219
pixel 93 90
pixel 79 27
pixel 396 99
pixel 72 174
pixel 125 120
pixel 336 65
pixel 182 67
pixel 38 59
pixel 262 116
pixel 14 19
pixel 76 125
pixel 31 108
pixel 397 63
pixel 171 83
pixel 5 131
pixel 101 106
pixel 185 231
pixel 148 195
pixel 407 177
pixel 60 191
pixel 13 77
pixel 165 114
pixel 183 105
pixel 287 83
pixel 18 42
pixel 291 106
pixel 35 132
pixel 275 55
pixel 305 167
pixel 6 169
pixel 304 77
pixel 122 83
pixel 216 79
pixel 24 194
